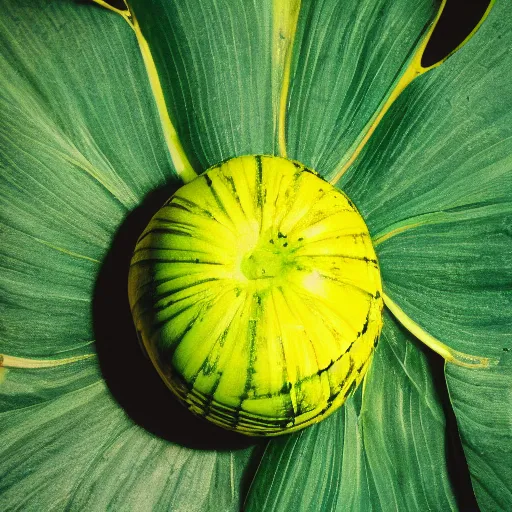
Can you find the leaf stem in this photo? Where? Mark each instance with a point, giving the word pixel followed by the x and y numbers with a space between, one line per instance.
pixel 412 71
pixel 448 354
pixel 179 158
pixel 286 15
pixel 23 362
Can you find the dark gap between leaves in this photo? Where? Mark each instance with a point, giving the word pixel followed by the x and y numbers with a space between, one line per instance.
pixel 118 4
pixel 457 466
pixel 459 18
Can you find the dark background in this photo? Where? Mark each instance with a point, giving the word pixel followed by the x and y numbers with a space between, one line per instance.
pixel 457 21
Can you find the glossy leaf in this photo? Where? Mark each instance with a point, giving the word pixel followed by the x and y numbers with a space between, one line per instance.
pixel 80 147
pixel 404 426
pixel 24 388
pixel 482 402
pixel 96 458
pixel 454 280
pixel 347 58
pixel 325 462
pixel 214 62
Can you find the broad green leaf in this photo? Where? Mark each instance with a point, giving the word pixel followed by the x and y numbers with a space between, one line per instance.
pixel 214 59
pixel 348 57
pixel 80 146
pixel 404 426
pixel 318 468
pixel 385 453
pixel 435 185
pixel 80 451
pixel 454 280
pixel 46 291
pixel 444 146
pixel 28 387
pixel 482 401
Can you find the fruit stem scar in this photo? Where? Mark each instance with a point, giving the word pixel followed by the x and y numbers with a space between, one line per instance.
pixel 448 354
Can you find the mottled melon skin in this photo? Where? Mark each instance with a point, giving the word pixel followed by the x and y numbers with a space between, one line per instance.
pixel 257 294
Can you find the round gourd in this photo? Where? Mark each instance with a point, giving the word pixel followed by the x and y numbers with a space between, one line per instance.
pixel 256 292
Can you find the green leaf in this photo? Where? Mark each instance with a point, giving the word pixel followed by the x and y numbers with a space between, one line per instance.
pixel 444 146
pixel 404 426
pixel 46 291
pixel 435 186
pixel 385 451
pixel 348 57
pixel 27 387
pixel 325 462
pixel 80 451
pixel 80 145
pixel 482 401
pixel 215 67
pixel 454 280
